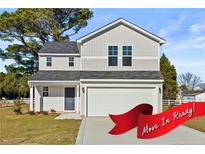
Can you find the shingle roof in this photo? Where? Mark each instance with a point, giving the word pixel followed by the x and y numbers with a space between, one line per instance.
pixel 77 75
pixel 59 47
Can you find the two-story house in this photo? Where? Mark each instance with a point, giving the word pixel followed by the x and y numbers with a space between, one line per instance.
pixel 108 71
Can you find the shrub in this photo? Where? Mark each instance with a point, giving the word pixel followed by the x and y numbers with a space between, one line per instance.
pixel 42 112
pixel 171 105
pixel 53 111
pixel 17 107
pixel 45 112
pixel 31 112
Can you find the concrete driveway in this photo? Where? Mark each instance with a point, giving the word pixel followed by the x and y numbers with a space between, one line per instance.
pixel 95 131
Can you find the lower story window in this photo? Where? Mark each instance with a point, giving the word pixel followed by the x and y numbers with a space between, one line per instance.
pixel 45 91
pixel 71 61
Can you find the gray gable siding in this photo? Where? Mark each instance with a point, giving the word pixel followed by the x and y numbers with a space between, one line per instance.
pixel 145 57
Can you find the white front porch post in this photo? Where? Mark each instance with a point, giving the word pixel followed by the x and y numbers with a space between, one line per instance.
pixel 31 98
pixel 78 99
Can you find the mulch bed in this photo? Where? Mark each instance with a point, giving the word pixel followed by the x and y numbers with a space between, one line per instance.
pixel 4 105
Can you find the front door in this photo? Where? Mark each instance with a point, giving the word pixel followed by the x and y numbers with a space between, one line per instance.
pixel 70 99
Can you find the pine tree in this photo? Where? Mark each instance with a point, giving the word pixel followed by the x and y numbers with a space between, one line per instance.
pixel 168 71
pixel 29 29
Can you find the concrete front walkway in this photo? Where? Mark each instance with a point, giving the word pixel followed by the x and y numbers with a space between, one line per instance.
pixel 95 131
pixel 68 115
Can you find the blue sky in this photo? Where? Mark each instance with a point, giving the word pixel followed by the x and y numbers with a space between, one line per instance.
pixel 184 30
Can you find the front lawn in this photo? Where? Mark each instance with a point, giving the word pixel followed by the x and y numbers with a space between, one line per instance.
pixel 35 129
pixel 196 123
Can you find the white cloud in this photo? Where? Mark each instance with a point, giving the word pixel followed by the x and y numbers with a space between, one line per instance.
pixel 172 26
pixel 187 54
pixel 187 58
pixel 196 43
pixel 198 27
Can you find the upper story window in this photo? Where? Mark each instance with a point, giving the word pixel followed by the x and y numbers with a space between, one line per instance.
pixel 112 55
pixel 45 91
pixel 127 55
pixel 49 61
pixel 71 61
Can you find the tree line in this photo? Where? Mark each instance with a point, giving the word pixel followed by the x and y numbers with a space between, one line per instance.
pixel 14 85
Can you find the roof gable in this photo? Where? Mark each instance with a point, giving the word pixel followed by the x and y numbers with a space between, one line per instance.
pixel 126 23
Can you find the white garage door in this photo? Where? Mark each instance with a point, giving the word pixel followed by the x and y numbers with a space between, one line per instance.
pixel 104 101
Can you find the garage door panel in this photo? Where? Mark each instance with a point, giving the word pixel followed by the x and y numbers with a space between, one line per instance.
pixel 104 101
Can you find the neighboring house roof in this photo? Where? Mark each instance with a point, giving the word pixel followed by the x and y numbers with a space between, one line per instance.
pixel 194 94
pixel 200 94
pixel 77 75
pixel 185 95
pixel 60 48
pixel 126 23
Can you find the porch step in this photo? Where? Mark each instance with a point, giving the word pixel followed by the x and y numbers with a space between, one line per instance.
pixel 73 116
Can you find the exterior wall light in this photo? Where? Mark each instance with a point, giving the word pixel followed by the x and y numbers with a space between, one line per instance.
pixel 160 90
pixel 83 90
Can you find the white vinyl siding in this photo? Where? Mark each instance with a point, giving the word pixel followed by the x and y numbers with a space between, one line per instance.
pixel 145 52
pixel 59 63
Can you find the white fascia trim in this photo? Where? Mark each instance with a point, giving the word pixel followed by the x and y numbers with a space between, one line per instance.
pixel 105 57
pixel 59 54
pixel 161 41
pixel 121 80
pixel 51 81
pixel 40 81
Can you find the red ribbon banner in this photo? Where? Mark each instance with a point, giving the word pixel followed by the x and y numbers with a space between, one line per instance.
pixel 151 126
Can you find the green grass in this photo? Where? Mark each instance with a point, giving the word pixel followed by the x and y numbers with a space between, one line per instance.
pixel 35 129
pixel 196 123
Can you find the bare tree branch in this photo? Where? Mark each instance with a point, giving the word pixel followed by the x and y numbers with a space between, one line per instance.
pixel 189 80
